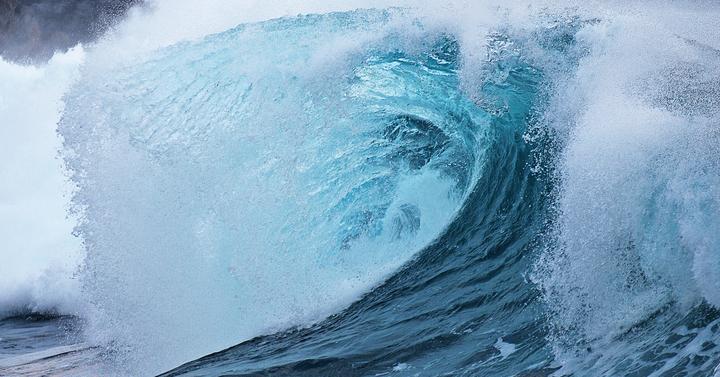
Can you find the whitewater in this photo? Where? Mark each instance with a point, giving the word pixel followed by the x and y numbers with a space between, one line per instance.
pixel 372 188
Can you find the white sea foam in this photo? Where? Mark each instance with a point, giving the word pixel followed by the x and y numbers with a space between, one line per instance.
pixel 39 254
pixel 639 194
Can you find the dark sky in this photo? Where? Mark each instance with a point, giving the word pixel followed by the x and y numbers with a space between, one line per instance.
pixel 32 30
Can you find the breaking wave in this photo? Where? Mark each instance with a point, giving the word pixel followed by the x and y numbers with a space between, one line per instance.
pixel 466 190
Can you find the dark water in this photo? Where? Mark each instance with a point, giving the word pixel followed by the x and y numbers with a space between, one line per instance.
pixel 28 334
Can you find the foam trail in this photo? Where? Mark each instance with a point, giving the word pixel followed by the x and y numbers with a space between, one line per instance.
pixel 39 253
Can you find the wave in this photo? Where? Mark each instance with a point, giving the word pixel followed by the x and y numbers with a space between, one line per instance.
pixel 284 201
pixel 431 189
pixel 435 315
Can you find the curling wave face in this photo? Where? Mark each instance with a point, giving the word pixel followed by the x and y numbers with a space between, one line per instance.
pixel 420 191
pixel 442 312
pixel 272 183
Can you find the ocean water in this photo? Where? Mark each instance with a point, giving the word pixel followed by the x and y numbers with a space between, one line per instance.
pixel 375 188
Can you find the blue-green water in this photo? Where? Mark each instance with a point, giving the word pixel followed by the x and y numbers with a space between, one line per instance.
pixel 372 193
